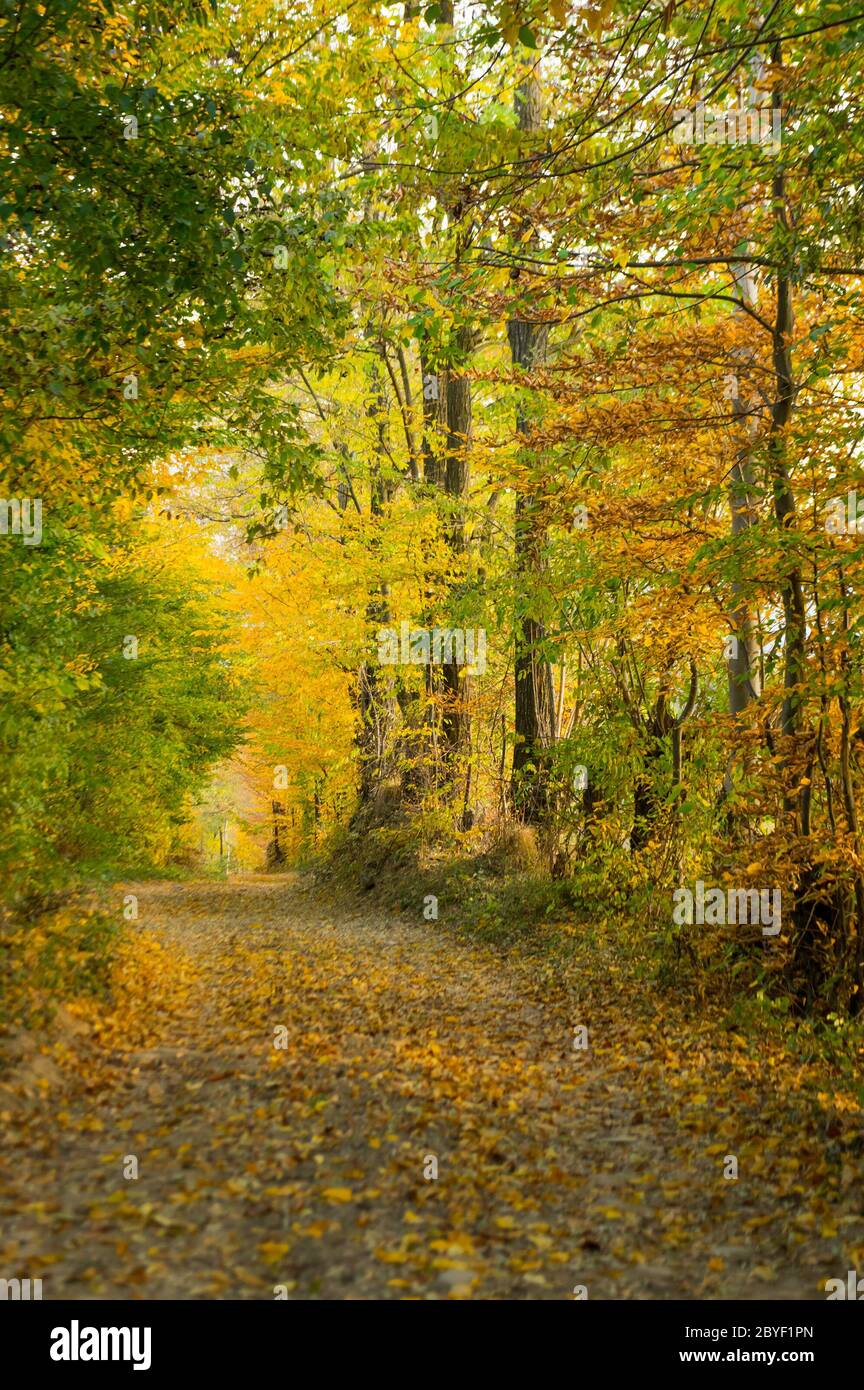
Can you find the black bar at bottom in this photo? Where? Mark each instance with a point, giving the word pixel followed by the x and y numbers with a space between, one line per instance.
pixel 141 1339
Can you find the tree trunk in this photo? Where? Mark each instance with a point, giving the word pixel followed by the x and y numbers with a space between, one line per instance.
pixel 535 698
pixel 373 693
pixel 455 684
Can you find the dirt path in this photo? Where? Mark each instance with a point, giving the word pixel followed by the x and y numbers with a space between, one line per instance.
pixel 309 1166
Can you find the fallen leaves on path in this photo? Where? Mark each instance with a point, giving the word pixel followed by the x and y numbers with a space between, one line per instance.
pixel 287 1103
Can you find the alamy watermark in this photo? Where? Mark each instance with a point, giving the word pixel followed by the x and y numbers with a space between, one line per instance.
pixel 22 517
pixel 18 1289
pixel 750 125
pixel 852 1288
pixel 736 906
pixel 844 516
pixel 438 646
pixel 77 1343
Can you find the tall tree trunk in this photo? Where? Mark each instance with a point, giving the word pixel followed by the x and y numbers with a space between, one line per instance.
pixel 535 698
pixel 452 419
pixel 743 670
pixel 419 758
pixel 374 689
pixel 791 591
pixel 455 683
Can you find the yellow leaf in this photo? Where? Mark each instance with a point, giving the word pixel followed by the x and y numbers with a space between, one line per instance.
pixel 273 1251
pixel 338 1194
pixel 315 1229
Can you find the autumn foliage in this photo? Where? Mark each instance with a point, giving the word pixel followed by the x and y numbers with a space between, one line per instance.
pixel 326 332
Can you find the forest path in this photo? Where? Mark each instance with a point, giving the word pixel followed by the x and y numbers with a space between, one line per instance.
pixel 303 1165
